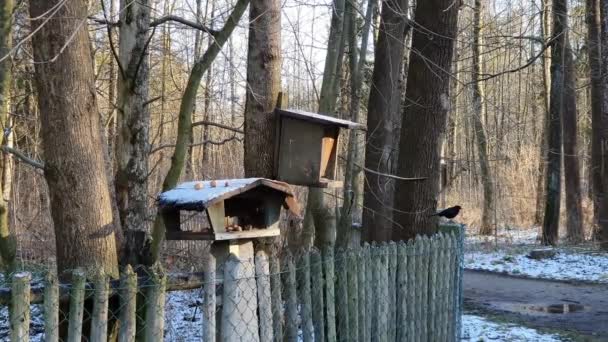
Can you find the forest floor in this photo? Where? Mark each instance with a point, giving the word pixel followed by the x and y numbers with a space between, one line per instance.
pixel 564 293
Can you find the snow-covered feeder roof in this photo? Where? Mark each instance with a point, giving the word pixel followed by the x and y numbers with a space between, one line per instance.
pixel 319 118
pixel 199 195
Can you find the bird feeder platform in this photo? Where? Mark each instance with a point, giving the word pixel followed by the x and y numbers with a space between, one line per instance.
pixel 235 208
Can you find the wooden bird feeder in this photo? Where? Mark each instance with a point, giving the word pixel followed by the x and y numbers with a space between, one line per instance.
pixel 306 151
pixel 236 208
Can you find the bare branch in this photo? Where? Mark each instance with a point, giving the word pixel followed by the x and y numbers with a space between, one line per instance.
pixel 209 123
pixel 211 142
pixel 22 157
pixel 186 22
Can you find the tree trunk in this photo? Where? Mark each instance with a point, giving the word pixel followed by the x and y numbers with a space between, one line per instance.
pixel 74 162
pixel 602 193
pixel 595 70
pixel 424 117
pixel 184 123
pixel 572 180
pixel 383 121
pixel 133 123
pixel 264 85
pixel 7 239
pixel 479 110
pixel 554 153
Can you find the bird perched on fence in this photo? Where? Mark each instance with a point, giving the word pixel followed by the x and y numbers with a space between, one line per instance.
pixel 449 213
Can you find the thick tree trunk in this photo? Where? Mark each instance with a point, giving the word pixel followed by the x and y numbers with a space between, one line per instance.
pixel 424 117
pixel 7 239
pixel 74 162
pixel 554 151
pixel 133 123
pixel 602 193
pixel 572 180
pixel 479 108
pixel 383 118
pixel 264 85
pixel 595 70
pixel 184 123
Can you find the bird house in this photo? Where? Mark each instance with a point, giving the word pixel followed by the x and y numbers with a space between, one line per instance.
pixel 306 151
pixel 235 208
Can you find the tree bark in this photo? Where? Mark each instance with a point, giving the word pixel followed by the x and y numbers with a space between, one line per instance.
pixel 424 117
pixel 383 121
pixel 133 123
pixel 572 180
pixel 264 85
pixel 479 110
pixel 602 136
pixel 74 162
pixel 554 153
pixel 184 123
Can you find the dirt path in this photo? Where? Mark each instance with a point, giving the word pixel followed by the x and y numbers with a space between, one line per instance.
pixel 540 302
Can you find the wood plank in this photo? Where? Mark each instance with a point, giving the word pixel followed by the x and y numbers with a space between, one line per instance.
pixel 217 217
pixel 248 234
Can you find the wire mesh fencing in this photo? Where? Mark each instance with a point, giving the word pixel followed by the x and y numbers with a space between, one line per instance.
pixel 380 292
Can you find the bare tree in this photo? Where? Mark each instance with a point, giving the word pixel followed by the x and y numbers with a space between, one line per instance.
pixel 424 116
pixel 383 119
pixel 601 194
pixel 74 162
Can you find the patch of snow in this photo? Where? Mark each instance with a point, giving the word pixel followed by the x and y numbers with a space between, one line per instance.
pixel 564 266
pixel 476 328
pixel 186 192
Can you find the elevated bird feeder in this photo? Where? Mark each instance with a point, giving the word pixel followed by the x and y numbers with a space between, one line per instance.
pixel 306 150
pixel 235 208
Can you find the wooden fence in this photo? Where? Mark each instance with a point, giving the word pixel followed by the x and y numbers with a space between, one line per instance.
pixel 388 292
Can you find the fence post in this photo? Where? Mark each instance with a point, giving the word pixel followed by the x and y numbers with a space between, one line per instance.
pixel 51 307
pixel 277 300
pixel 76 306
pixel 410 300
pixel 20 307
pixel 155 306
pixel 431 317
pixel 304 295
pixel 210 299
pixel 342 295
pixel 99 317
pixel 353 293
pixel 392 290
pixel 384 300
pixel 316 268
pixel 330 296
pixel 262 270
pixel 361 278
pixel 370 279
pixel 444 259
pixel 402 290
pixel 128 296
pixel 291 301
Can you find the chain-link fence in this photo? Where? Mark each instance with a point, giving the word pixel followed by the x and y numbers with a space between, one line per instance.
pixel 385 292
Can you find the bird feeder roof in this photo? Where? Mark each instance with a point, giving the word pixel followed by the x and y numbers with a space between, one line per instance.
pixel 199 195
pixel 318 118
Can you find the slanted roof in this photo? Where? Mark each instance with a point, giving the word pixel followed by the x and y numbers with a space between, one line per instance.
pixel 318 118
pixel 186 196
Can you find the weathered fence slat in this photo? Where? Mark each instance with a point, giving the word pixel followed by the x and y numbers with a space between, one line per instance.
pixel 291 301
pixel 328 267
pixel 316 270
pixel 392 290
pixel 361 286
pixel 384 299
pixel 128 296
pixel 304 295
pixel 209 303
pixel 411 291
pixel 401 292
pixel 76 306
pixel 155 306
pixel 99 317
pixel 431 317
pixel 262 271
pixel 419 250
pixel 453 297
pixel 343 330
pixel 20 307
pixel 370 280
pixel 444 287
pixel 51 307
pixel 353 294
pixel 277 300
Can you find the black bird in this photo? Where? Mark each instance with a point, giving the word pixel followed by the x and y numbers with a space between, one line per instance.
pixel 449 213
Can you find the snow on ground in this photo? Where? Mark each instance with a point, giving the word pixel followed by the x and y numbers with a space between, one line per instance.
pixel 477 329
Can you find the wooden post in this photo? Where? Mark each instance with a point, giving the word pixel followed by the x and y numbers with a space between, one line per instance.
pixel 155 308
pixel 128 295
pixel 443 287
pixel 419 250
pixel 453 297
pixel 424 286
pixel 392 290
pixel 316 268
pixel 353 293
pixel 402 292
pixel 277 300
pixel 343 332
pixel 291 301
pixel 99 317
pixel 328 266
pixel 411 291
pixel 361 279
pixel 262 270
pixel 304 295
pixel 20 307
pixel 369 291
pixel 431 317
pixel 76 306
pixel 51 307
pixel 383 298
pixel 209 303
